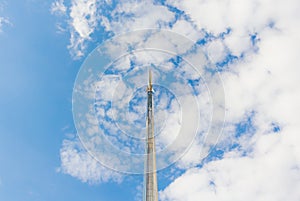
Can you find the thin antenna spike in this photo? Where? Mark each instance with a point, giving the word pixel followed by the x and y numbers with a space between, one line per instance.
pixel 150 80
pixel 150 77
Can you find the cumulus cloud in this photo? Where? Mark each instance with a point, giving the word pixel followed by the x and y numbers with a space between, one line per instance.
pixel 77 162
pixel 88 16
pixel 131 15
pixel 83 21
pixel 264 162
pixel 270 173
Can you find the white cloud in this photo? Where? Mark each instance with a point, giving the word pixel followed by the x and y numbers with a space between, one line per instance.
pixel 83 22
pixel 86 16
pixel 3 22
pixel 271 173
pixel 58 7
pixel 132 15
pixel 83 17
pixel 77 162
pixel 243 17
pixel 187 29
pixel 265 82
pixel 216 51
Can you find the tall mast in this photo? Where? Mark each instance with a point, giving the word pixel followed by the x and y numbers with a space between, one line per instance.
pixel 150 185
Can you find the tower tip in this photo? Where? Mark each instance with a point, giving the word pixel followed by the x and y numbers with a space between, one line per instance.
pixel 150 80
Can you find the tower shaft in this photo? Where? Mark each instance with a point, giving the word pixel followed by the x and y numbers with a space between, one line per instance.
pixel 150 188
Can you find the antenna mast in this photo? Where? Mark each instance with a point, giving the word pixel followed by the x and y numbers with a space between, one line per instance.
pixel 150 178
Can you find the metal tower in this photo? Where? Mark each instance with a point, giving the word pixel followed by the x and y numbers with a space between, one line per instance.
pixel 150 178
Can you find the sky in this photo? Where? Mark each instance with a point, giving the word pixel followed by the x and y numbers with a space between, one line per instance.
pixel 72 80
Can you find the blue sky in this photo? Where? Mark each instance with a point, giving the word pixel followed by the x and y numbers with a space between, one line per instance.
pixel 43 44
pixel 37 76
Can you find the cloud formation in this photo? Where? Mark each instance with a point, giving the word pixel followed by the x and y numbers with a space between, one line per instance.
pixel 254 45
pixel 77 162
pixel 261 162
pixel 270 172
pixel 4 21
pixel 58 8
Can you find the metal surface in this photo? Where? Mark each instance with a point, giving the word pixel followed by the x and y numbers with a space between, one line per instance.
pixel 150 185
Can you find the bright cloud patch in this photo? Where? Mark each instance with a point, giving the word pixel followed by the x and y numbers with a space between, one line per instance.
pixel 270 173
pixel 83 23
pixel 77 162
pixel 3 22
pixel 266 84
pixel 58 7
